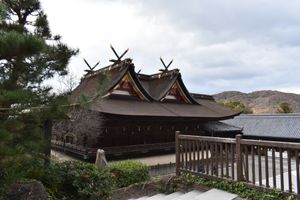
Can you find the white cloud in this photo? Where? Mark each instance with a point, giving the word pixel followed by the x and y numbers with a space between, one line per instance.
pixel 218 45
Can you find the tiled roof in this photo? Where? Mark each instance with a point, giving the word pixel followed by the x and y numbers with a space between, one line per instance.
pixel 273 126
pixel 216 126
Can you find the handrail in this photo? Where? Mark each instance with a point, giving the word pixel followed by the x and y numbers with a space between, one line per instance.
pixel 207 138
pixel 287 145
pixel 257 163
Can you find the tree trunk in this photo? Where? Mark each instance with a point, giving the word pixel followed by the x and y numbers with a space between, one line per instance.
pixel 47 139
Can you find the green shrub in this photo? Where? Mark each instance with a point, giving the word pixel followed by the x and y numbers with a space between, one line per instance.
pixel 129 172
pixel 238 188
pixel 74 180
pixel 20 169
pixel 80 180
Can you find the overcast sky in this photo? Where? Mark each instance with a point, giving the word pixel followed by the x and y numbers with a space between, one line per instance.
pixel 218 45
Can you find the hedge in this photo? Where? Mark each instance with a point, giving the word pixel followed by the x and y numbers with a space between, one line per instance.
pixel 129 172
pixel 81 180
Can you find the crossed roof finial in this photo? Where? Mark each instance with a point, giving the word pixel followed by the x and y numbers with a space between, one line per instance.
pixel 119 58
pixel 165 66
pixel 91 69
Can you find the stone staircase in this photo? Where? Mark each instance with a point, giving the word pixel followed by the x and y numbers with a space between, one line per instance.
pixel 213 194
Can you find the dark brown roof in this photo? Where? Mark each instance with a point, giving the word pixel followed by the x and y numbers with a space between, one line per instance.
pixel 90 84
pixel 104 80
pixel 158 85
pixel 158 109
pixel 212 105
pixel 153 87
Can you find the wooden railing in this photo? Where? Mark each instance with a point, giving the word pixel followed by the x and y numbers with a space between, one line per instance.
pixel 86 153
pixel 257 163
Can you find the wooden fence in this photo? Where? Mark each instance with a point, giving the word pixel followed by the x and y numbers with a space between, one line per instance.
pixel 82 152
pixel 257 163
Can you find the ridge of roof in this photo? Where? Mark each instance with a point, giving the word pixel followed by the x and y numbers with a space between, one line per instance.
pixel 202 96
pixel 158 75
pixel 109 67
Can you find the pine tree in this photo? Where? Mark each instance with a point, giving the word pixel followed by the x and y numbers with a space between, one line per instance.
pixel 29 55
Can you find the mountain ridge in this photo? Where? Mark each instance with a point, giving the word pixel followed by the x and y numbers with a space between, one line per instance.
pixel 262 101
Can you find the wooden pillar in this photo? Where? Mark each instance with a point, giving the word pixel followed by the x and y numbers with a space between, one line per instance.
pixel 238 152
pixel 177 147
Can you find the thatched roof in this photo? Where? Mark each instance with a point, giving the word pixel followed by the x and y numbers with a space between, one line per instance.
pixel 150 94
pixel 158 85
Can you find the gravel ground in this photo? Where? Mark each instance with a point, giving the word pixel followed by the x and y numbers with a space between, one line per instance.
pixel 59 156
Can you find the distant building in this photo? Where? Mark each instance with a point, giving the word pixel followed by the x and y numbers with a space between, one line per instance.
pixel 129 112
pixel 279 127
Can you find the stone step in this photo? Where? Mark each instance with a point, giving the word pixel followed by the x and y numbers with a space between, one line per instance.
pixel 157 197
pixel 141 198
pixel 215 194
pixel 173 195
pixel 188 196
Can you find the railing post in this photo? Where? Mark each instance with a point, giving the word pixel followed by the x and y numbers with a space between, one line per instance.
pixel 177 148
pixel 238 151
